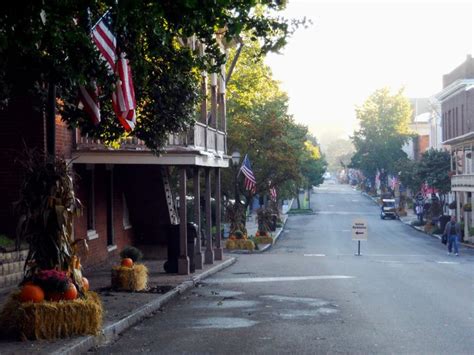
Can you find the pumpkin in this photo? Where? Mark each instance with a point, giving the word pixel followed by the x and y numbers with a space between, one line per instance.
pixel 127 262
pixel 85 284
pixel 71 292
pixel 31 293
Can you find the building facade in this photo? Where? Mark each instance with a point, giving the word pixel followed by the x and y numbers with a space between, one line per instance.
pixel 127 195
pixel 457 117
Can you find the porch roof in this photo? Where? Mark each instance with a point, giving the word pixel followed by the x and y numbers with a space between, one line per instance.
pixel 175 156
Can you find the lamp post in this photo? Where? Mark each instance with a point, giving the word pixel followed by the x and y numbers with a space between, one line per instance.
pixel 235 163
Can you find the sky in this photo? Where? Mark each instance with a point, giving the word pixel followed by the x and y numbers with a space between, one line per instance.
pixel 353 48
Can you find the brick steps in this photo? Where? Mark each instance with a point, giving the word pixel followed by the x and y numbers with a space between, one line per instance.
pixel 11 267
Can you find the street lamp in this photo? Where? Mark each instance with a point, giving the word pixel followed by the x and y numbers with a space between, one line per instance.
pixel 235 158
pixel 235 164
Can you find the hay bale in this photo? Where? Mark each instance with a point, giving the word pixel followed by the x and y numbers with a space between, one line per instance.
pixel 133 278
pixel 51 320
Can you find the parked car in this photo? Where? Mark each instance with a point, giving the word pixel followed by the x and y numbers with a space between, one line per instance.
pixel 388 209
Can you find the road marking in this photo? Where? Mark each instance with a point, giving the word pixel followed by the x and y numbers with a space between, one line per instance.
pixel 388 255
pixel 358 213
pixel 277 279
pixel 346 230
pixel 314 254
pixel 447 262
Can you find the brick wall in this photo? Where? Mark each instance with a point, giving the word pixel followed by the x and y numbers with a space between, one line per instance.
pixel 99 248
pixel 63 139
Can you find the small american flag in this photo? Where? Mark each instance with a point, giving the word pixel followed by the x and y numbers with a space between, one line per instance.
pixel 246 169
pixel 273 193
pixel 89 101
pixel 123 99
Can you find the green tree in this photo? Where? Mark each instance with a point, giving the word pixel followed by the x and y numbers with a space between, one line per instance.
pixel 434 168
pixel 47 43
pixel 384 120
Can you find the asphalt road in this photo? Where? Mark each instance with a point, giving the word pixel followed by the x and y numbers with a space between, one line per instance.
pixel 311 294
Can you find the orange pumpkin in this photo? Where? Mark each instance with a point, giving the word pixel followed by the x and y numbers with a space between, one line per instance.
pixel 127 262
pixel 71 292
pixel 31 293
pixel 85 283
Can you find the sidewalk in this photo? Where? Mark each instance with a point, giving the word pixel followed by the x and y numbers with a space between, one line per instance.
pixel 124 309
pixel 411 217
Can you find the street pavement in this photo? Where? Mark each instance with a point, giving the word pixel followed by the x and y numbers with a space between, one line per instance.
pixel 311 294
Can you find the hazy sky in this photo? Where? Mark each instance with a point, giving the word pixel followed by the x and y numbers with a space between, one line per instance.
pixel 355 47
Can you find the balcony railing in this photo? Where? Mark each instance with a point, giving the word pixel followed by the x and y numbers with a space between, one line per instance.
pixel 199 138
pixel 462 183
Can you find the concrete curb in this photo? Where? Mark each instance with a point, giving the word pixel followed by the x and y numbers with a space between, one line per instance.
pixel 112 330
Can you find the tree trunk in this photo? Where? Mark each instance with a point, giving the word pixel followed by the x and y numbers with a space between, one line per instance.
pixel 298 197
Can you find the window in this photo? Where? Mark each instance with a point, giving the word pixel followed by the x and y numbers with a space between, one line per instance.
pixel 89 180
pixel 125 214
pixel 110 207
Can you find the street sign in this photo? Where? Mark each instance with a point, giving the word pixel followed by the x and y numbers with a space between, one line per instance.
pixel 359 229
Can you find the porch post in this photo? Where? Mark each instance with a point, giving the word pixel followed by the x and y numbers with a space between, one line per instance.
pixel 209 255
pixel 213 122
pixel 198 255
pixel 183 261
pixel 458 206
pixel 218 249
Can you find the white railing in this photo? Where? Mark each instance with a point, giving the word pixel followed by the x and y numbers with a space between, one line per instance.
pixel 200 137
pixel 461 182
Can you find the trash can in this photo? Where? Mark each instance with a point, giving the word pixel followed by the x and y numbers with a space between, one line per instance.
pixel 171 265
pixel 443 220
pixel 273 222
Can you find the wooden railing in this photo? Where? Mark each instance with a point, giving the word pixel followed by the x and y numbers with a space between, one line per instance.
pixel 200 137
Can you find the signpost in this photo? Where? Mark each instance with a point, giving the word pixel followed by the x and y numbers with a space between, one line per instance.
pixel 359 232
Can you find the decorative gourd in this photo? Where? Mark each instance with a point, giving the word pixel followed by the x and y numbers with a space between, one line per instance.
pixel 31 293
pixel 71 293
pixel 127 262
pixel 85 283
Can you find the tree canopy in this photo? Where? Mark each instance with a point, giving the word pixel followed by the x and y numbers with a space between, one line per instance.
pixel 48 42
pixel 384 120
pixel 280 150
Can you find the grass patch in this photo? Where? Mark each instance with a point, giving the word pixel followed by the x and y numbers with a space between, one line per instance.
pixel 6 242
pixel 300 211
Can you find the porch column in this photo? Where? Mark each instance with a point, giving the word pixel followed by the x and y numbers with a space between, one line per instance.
pixel 183 261
pixel 198 255
pixel 209 255
pixel 213 122
pixel 458 206
pixel 466 219
pixel 218 249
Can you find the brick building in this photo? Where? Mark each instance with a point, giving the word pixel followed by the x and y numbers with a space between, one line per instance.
pixel 126 193
pixel 457 112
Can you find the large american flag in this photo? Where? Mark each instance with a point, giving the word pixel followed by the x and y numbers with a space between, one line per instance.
pixel 123 99
pixel 250 182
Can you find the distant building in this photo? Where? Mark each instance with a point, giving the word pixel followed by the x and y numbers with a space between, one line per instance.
pixel 420 125
pixel 457 114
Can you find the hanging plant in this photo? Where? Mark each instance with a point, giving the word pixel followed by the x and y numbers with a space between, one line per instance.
pixel 467 207
pixel 452 205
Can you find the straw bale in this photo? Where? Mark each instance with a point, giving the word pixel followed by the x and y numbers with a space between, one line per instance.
pixel 133 278
pixel 51 320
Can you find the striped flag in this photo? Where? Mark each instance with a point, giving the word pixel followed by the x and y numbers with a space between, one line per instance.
pixel 250 182
pixel 89 101
pixel 123 99
pixel 105 40
pixel 273 193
